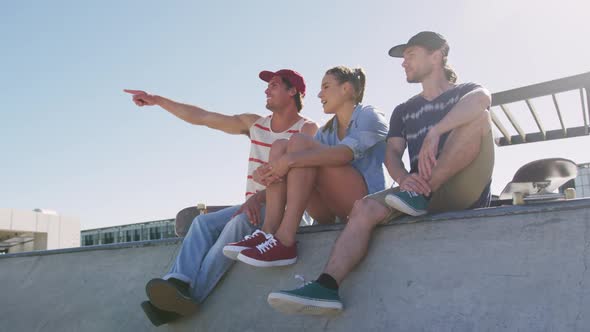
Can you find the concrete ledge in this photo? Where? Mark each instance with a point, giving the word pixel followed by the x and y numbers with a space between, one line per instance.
pixel 456 215
pixel 509 268
pixel 114 246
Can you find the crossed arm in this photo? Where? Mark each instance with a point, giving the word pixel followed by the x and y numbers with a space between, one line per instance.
pixel 275 171
pixel 467 110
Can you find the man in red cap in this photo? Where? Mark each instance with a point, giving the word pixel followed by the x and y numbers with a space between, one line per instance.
pixel 200 263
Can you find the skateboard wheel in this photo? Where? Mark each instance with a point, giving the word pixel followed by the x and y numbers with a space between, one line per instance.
pixel 517 198
pixel 570 193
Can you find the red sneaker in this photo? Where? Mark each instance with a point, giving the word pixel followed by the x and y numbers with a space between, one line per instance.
pixel 270 253
pixel 231 250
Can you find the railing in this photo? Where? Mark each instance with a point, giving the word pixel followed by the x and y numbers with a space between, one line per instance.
pixel 526 94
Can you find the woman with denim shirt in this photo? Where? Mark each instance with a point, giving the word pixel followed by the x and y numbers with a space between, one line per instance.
pixel 324 175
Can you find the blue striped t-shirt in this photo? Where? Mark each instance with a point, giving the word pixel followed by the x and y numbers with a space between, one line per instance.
pixel 412 120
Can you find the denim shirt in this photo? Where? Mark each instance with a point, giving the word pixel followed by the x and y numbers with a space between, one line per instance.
pixel 365 136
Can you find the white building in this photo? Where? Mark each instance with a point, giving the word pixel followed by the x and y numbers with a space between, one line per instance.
pixel 22 230
pixel 583 181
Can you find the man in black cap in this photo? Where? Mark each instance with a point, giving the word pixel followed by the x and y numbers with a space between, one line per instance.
pixel 448 133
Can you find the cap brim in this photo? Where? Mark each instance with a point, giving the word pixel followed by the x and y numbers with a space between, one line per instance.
pixel 398 51
pixel 266 75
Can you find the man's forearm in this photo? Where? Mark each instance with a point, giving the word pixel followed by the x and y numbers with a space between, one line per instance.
pixel 396 169
pixel 324 156
pixel 468 109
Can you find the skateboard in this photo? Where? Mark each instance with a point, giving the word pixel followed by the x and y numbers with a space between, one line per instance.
pixel 537 181
pixel 184 219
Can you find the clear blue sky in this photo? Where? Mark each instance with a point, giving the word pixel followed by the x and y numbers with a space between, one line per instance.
pixel 73 142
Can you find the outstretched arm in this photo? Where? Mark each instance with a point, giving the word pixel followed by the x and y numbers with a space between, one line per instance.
pixel 231 124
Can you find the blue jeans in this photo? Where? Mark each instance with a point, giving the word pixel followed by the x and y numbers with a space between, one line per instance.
pixel 201 262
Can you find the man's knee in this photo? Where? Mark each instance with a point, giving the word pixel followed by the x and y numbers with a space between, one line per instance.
pixel 239 224
pixel 485 121
pixel 481 124
pixel 203 223
pixel 298 142
pixel 367 212
pixel 278 149
pixel 197 226
pixel 196 222
pixel 467 138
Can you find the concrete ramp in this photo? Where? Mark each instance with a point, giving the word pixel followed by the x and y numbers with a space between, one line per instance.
pixel 498 269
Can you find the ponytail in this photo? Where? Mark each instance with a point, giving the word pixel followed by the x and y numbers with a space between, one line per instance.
pixel 449 72
pixel 359 84
pixel 356 77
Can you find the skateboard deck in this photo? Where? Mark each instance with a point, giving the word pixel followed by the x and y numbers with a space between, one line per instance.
pixel 538 180
pixel 184 219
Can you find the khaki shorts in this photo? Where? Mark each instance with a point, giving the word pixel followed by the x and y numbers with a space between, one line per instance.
pixel 461 191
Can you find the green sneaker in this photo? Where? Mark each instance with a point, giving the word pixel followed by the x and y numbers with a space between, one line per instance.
pixel 408 202
pixel 311 299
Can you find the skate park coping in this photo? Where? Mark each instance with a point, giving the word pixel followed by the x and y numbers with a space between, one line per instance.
pixel 502 268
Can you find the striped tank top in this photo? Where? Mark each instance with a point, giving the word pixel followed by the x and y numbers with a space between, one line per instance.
pixel 261 139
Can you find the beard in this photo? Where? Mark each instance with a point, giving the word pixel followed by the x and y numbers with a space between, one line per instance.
pixel 419 75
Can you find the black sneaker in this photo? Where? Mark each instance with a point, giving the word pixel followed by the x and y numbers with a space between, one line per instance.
pixel 158 316
pixel 171 295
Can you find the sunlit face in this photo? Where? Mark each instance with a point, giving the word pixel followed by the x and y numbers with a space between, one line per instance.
pixel 333 94
pixel 418 63
pixel 278 96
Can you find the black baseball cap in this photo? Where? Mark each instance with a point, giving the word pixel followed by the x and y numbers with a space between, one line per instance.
pixel 428 39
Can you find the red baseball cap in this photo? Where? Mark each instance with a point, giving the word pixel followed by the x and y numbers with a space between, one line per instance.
pixel 292 76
